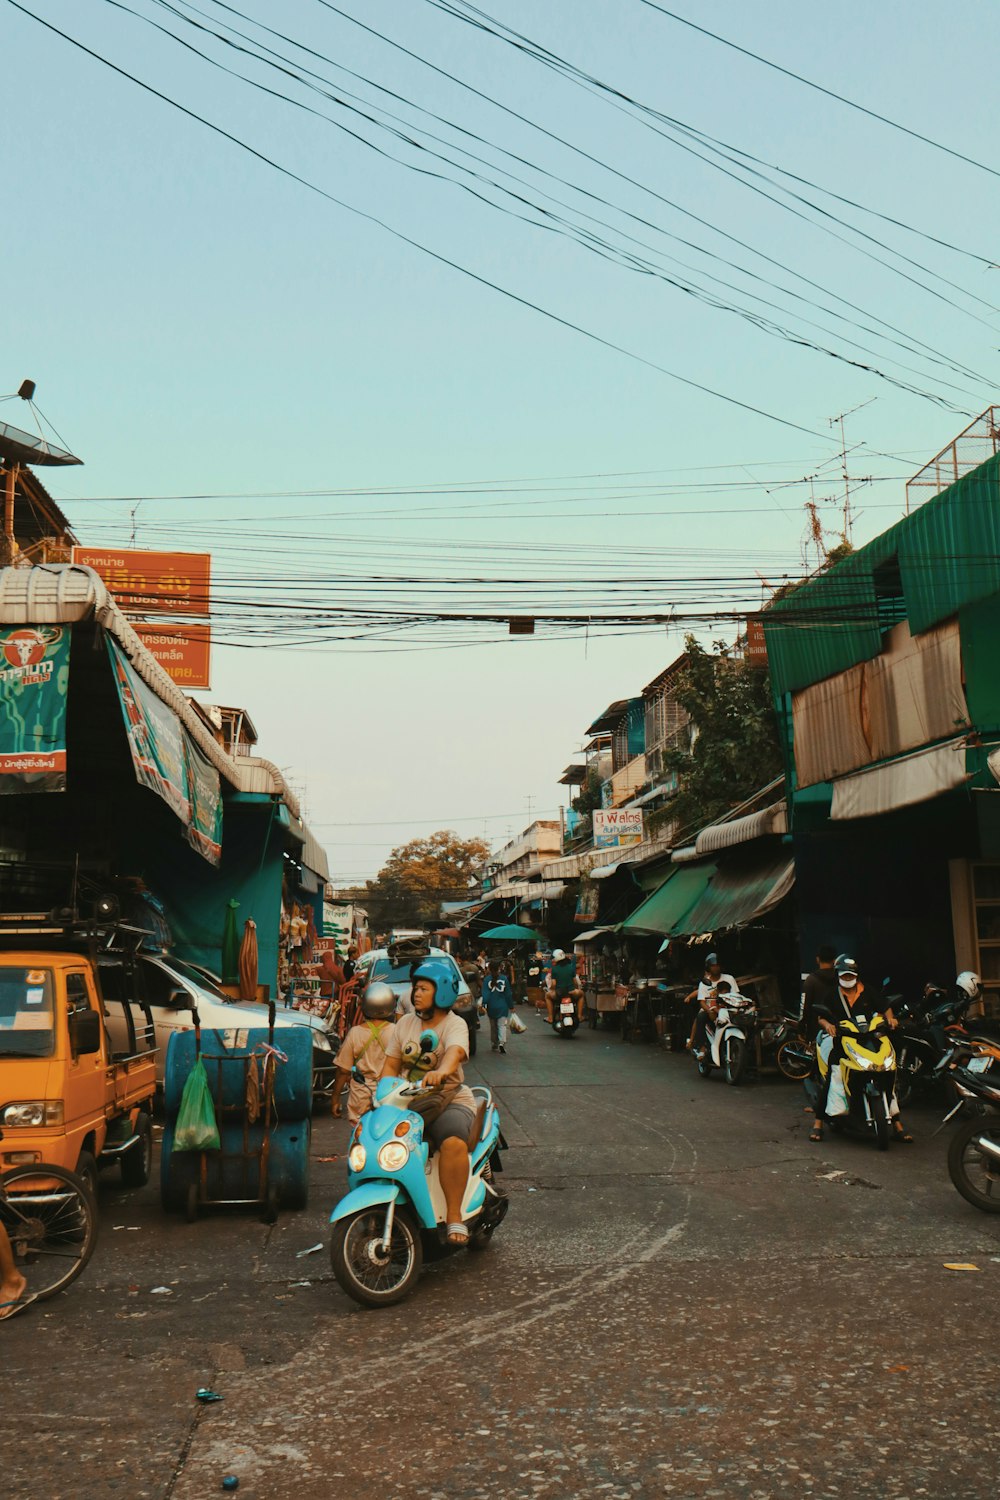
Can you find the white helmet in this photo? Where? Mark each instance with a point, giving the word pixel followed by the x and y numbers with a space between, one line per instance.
pixel 969 984
pixel 557 954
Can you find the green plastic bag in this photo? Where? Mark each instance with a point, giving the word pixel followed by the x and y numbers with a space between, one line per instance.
pixel 196 1129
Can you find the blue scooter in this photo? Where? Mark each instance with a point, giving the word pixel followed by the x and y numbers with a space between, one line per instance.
pixel 393 1214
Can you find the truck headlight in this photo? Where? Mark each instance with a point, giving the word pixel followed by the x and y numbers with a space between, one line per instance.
pixel 31 1113
pixel 356 1158
pixel 392 1156
pixel 321 1042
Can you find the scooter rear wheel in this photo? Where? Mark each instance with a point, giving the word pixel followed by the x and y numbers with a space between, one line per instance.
pixel 880 1120
pixel 374 1277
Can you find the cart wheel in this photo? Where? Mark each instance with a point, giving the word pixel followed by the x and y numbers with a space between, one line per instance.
pixel 270 1214
pixel 191 1203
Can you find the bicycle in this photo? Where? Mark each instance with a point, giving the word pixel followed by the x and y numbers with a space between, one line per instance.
pixel 50 1217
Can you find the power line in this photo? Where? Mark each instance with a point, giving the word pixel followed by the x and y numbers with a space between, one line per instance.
pixel 416 244
pixel 819 88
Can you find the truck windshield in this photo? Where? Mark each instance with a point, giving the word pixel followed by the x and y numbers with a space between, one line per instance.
pixel 26 1013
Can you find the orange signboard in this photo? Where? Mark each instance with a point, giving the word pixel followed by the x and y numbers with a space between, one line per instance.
pixel 152 583
pixel 161 584
pixel 182 650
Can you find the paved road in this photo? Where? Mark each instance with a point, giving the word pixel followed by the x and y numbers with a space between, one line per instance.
pixel 687 1299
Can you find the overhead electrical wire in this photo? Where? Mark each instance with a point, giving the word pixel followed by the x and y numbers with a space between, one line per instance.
pixel 873 114
pixel 588 156
pixel 473 16
pixel 404 238
pixel 550 222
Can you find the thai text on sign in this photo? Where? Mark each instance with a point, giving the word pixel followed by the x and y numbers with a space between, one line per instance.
pixel 154 585
pixel 617 827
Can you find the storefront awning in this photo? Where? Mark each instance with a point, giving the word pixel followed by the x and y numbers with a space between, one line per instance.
pixel 900 783
pixel 663 912
pixel 528 890
pixel 591 934
pixel 756 825
pixel 738 892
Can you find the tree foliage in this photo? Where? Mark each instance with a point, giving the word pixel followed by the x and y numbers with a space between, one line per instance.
pixel 734 748
pixel 418 876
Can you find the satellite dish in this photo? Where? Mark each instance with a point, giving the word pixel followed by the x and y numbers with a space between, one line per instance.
pixel 21 447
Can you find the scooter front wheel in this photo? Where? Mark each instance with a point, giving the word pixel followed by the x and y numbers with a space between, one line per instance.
pixel 974 1170
pixel 735 1058
pixel 795 1059
pixel 374 1276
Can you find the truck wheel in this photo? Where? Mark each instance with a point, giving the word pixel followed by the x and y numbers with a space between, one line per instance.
pixel 86 1169
pixel 137 1163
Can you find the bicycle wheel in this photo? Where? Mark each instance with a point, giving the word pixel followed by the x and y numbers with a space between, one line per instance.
pixel 51 1221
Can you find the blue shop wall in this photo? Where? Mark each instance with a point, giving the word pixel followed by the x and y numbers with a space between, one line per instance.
pixel 194 893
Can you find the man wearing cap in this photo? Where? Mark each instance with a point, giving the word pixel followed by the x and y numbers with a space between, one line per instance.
pixel 705 993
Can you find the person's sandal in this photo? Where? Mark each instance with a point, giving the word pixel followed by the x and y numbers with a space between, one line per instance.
pixel 816 1134
pixel 458 1234
pixel 902 1134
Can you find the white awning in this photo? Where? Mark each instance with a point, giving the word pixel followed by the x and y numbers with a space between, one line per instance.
pixel 773 819
pixel 590 934
pixel 900 783
pixel 528 890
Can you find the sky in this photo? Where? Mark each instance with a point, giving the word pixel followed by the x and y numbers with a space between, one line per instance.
pixel 453 388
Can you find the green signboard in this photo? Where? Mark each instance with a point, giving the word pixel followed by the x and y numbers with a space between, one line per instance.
pixel 34 679
pixel 167 760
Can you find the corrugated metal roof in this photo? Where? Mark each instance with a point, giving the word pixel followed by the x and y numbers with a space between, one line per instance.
pixel 610 717
pixel 949 556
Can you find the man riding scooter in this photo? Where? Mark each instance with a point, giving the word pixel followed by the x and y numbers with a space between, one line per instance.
pixel 430 1047
pixel 847 1003
pixel 564 984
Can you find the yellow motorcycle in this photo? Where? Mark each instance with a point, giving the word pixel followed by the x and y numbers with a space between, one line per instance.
pixel 861 1093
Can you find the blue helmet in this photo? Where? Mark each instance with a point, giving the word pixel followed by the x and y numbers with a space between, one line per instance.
pixel 443 976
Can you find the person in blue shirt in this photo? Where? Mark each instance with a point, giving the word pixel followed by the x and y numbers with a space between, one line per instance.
pixel 496 1001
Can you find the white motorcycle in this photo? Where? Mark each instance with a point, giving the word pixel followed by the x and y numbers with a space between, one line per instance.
pixel 729 1037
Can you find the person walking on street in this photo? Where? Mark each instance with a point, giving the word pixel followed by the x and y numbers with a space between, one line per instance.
pixel 497 1001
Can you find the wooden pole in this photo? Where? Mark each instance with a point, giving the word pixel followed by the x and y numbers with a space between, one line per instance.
pixel 8 513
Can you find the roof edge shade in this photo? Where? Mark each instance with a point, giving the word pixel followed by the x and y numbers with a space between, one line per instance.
pixel 528 890
pixel 66 593
pixel 610 717
pixel 574 775
pixel 663 913
pixel 590 934
pixel 900 783
pixel 742 888
pixel 770 820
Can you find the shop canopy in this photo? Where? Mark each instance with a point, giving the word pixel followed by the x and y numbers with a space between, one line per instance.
pixel 663 913
pixel 739 892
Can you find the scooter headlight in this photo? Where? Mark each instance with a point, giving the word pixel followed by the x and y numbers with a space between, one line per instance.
pixel 356 1158
pixel 392 1156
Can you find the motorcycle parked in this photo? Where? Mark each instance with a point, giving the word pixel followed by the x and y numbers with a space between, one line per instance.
pixel 783 1044
pixel 931 1031
pixel 866 1076
pixel 974 1149
pixel 393 1214
pixel 728 1038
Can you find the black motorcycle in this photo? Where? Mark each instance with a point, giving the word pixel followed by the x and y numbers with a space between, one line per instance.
pixel 974 1149
pixel 933 1034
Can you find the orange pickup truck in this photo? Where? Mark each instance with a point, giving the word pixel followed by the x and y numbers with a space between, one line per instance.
pixel 65 1097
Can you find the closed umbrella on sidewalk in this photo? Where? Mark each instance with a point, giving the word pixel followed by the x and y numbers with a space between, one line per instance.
pixel 248 961
pixel 231 944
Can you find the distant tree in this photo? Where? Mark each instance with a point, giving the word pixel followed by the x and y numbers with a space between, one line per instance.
pixel 734 747
pixel 418 876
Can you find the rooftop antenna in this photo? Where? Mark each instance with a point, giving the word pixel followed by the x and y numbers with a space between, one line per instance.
pixel 18 447
pixel 839 420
